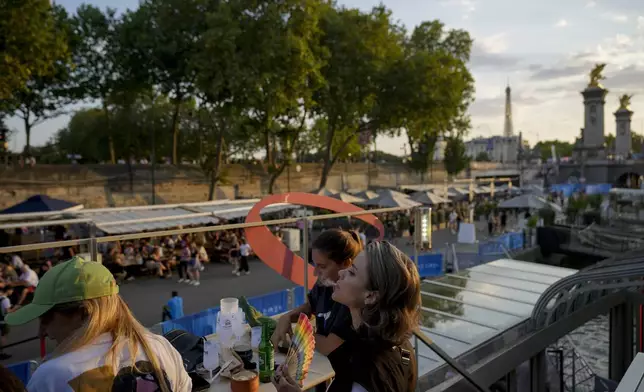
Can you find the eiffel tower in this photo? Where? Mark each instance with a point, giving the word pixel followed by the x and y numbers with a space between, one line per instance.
pixel 508 129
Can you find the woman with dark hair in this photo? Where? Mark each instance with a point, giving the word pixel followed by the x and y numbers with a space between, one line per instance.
pixel 333 251
pixel 382 291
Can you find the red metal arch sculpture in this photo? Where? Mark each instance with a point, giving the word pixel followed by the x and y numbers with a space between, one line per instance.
pixel 274 253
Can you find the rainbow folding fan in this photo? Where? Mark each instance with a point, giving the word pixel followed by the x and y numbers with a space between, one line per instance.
pixel 300 352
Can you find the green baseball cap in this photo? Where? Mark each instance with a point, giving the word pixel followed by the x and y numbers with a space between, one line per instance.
pixel 71 281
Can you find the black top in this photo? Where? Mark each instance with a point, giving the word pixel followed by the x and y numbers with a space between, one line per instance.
pixel 330 317
pixel 376 366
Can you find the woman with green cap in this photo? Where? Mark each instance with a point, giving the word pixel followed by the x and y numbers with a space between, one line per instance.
pixel 100 345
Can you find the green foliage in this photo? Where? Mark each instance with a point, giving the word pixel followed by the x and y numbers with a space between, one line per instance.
pixel 484 209
pixel 206 80
pixel 33 44
pixel 548 215
pixel 455 159
pixel 44 96
pixel 433 82
pixel 162 38
pixel 637 141
pixel 533 221
pixel 482 157
pixel 594 201
pixel 562 149
pixel 364 48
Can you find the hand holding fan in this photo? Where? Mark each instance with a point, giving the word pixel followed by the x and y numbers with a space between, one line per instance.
pixel 300 353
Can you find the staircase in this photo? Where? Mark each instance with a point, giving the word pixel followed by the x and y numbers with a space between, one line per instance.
pixel 574 374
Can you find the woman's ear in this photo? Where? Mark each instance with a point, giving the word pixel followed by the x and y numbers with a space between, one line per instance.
pixel 371 298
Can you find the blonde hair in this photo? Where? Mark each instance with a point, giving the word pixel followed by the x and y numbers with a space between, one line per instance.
pixel 109 314
pixel 395 278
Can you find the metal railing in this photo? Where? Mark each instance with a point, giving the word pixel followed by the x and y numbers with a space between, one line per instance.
pixel 583 288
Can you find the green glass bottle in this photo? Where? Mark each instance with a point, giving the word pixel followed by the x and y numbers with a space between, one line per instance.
pixel 266 355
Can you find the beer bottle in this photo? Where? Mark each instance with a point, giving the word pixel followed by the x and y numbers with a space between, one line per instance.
pixel 266 355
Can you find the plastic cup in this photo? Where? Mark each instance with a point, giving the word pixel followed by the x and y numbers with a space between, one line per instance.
pixel 229 305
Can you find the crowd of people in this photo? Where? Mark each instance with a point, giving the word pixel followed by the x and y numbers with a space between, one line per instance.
pixel 185 254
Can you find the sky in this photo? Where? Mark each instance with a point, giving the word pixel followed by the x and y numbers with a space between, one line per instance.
pixel 543 49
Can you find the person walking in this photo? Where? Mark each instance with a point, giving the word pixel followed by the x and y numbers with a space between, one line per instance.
pixel 194 267
pixel 184 260
pixel 244 254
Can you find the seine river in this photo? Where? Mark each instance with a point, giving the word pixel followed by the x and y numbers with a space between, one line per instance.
pixel 592 342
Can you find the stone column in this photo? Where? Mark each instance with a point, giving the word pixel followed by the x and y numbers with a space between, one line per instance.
pixel 593 133
pixel 623 131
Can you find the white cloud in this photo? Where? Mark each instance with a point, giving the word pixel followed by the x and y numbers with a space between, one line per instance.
pixel 467 7
pixel 591 4
pixel 640 22
pixel 617 18
pixel 494 44
pixel 561 23
pixel 623 40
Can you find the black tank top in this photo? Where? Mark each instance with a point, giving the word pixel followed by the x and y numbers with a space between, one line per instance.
pixel 376 366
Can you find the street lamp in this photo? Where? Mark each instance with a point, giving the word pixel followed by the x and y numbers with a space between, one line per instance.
pixel 423 228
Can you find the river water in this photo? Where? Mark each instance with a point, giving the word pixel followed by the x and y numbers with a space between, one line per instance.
pixel 592 341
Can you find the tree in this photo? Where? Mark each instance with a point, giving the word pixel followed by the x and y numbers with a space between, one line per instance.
pixel 562 149
pixel 163 38
pixel 43 97
pixel 97 74
pixel 637 141
pixel 455 159
pixel 84 135
pixel 482 157
pixel 32 44
pixel 280 45
pixel 363 47
pixel 437 87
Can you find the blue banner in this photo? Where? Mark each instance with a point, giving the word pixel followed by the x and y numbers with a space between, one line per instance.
pixel 430 264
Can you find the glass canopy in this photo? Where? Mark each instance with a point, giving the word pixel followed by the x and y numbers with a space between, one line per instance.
pixel 461 311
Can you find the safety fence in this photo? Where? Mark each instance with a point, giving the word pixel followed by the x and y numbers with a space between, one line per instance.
pixel 429 265
pixel 462 257
pixel 204 323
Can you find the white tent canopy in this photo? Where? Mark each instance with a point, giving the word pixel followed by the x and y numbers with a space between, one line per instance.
pixel 326 192
pixel 391 199
pixel 428 198
pixel 366 195
pixel 348 198
pixel 135 219
pixel 530 202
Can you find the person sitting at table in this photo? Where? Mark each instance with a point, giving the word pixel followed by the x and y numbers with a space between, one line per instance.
pixel 25 285
pixel 154 264
pixel 333 251
pixel 382 291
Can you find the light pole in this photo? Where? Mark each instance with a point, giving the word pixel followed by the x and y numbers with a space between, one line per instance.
pixel 153 164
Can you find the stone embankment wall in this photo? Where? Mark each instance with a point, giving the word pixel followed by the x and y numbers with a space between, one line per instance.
pixel 98 186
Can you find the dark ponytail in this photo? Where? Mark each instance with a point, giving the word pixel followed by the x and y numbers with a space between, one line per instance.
pixel 338 245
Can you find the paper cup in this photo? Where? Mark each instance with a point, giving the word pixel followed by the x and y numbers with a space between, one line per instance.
pixel 229 305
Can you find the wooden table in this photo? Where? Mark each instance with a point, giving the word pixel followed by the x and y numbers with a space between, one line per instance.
pixel 319 373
